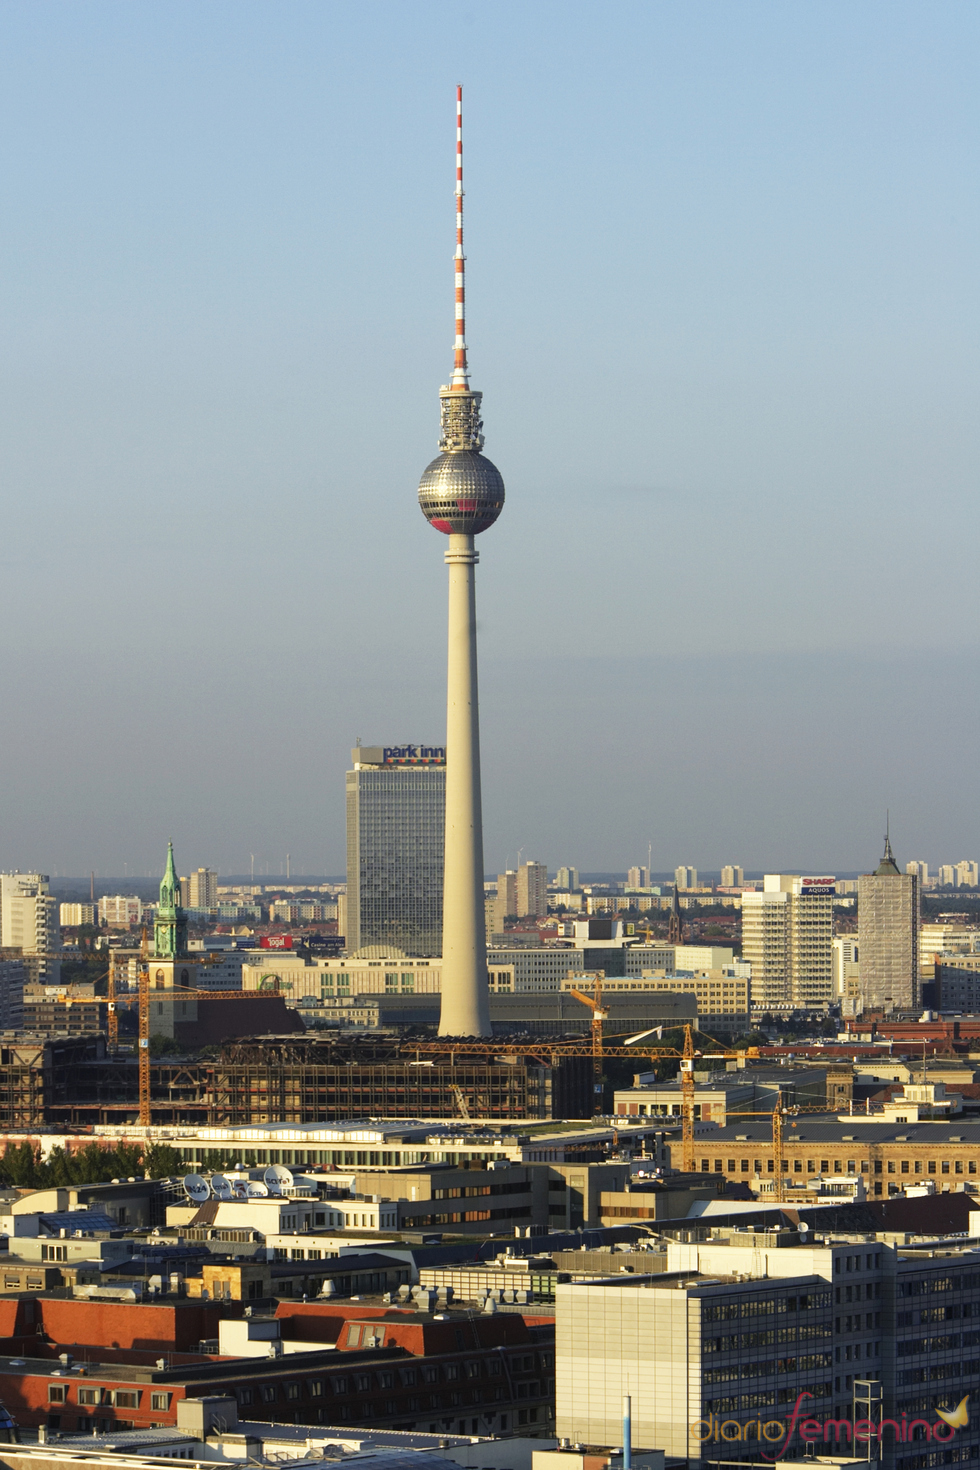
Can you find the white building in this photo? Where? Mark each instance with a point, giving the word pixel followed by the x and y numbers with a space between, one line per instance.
pixel 29 921
pixel 120 909
pixel 686 877
pixel 918 870
pixel 787 931
pixel 732 876
pixel 72 915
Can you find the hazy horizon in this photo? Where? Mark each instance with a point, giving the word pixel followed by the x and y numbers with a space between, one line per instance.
pixel 723 308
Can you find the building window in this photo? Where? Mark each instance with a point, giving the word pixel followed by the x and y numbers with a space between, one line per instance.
pixel 56 1393
pixel 160 1401
pixel 292 1390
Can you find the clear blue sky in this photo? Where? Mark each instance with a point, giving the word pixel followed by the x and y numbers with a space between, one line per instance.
pixel 723 309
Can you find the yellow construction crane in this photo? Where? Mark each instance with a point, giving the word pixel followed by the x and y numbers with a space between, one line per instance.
pixel 461 1103
pixel 594 1002
pixel 111 1005
pixel 144 1032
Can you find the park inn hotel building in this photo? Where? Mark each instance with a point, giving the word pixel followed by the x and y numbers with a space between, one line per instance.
pixel 396 820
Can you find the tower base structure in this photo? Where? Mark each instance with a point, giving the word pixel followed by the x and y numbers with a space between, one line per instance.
pixel 465 989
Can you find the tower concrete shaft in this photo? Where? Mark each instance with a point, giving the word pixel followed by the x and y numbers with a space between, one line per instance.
pixel 465 993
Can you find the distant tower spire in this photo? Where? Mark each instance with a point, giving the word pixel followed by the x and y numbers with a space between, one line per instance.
pixel 888 867
pixel 675 928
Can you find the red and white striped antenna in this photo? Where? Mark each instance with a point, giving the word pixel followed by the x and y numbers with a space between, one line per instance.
pixel 461 377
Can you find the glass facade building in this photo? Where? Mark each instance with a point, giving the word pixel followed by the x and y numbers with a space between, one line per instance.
pixel 396 817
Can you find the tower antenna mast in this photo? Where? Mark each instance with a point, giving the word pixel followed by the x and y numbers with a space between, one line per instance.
pixel 461 377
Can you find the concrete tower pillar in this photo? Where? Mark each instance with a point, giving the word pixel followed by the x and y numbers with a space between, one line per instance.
pixel 465 995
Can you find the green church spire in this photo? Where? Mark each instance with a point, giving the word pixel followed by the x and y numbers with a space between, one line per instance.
pixel 170 924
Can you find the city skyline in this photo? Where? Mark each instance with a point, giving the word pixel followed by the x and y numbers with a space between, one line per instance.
pixel 221 225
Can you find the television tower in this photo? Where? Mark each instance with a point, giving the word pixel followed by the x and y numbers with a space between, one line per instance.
pixel 461 493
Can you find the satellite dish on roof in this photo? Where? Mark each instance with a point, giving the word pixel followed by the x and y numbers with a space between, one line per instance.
pixel 221 1187
pixel 255 1189
pixel 196 1188
pixel 278 1178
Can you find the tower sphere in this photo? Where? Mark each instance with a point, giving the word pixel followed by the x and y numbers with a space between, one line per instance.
pixel 461 492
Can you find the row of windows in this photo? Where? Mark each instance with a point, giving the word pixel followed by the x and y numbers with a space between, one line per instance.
pixel 91 1394
pixel 768 1367
pixel 965 1367
pixel 764 1306
pixel 952 1313
pixel 746 1341
pixel 911 1347
pixel 837 1166
pixel 928 1284
pixel 736 1402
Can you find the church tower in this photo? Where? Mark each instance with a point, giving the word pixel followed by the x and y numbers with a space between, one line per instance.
pixel 170 924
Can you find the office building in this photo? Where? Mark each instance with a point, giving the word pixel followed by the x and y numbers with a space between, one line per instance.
pixel 888 936
pixel 567 879
pixel 73 915
pixel 718 1349
pixel 396 823
pixel 787 929
pixel 461 494
pixel 686 877
pixel 732 876
pixel 532 890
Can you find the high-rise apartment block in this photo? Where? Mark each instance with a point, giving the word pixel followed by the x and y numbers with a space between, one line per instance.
pixel 567 879
pixel 967 875
pixel 532 889
pixel 686 877
pixel 73 915
pixel 119 910
pixel 28 914
pixel 200 890
pixel 787 930
pixel 947 876
pixel 888 936
pixel 920 870
pixel 505 903
pixel 396 817
pixel 732 876
pixel 638 878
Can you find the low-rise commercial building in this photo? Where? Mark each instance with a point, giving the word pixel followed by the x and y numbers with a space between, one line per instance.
pixel 888 1155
